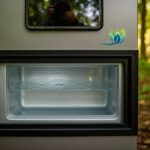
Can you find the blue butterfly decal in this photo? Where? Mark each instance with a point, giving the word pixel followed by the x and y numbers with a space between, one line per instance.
pixel 116 37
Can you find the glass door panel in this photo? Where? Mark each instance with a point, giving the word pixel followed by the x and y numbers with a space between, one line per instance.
pixel 64 93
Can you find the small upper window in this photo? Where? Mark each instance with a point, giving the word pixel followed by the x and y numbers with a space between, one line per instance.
pixel 64 14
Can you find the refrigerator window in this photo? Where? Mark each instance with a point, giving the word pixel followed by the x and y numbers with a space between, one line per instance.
pixel 63 14
pixel 64 93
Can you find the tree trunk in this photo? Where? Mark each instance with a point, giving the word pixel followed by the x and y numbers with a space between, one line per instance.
pixel 143 28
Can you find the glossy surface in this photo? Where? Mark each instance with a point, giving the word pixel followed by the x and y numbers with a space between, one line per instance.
pixel 63 92
pixel 60 14
pixel 117 14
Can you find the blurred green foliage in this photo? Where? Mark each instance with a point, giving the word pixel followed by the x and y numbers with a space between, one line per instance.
pixel 144 69
pixel 147 27
pixel 146 89
pixel 144 80
pixel 144 65
pixel 147 15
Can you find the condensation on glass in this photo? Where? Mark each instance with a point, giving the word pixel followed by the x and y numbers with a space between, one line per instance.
pixel 64 93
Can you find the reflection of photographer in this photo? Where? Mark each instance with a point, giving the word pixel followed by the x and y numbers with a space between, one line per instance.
pixel 61 14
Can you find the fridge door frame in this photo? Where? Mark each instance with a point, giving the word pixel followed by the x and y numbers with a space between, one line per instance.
pixel 129 59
